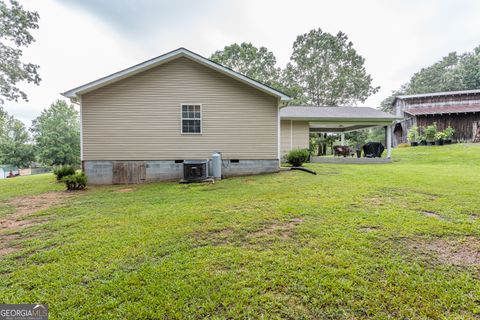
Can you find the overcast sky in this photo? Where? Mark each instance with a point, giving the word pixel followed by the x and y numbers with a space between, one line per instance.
pixel 82 40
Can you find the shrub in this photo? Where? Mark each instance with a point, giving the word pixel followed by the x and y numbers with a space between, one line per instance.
pixel 430 132
pixel 449 132
pixel 76 181
pixel 297 157
pixel 412 134
pixel 403 145
pixel 440 135
pixel 63 171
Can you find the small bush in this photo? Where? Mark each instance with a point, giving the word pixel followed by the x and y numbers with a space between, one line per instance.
pixel 449 132
pixel 430 132
pixel 76 181
pixel 63 171
pixel 441 135
pixel 403 145
pixel 297 157
pixel 412 134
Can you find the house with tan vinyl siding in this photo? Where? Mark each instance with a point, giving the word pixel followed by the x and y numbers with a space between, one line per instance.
pixel 142 123
pixel 294 135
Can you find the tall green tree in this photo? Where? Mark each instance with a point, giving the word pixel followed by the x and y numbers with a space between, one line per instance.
pixel 15 146
pixel 440 76
pixel 256 63
pixel 453 72
pixel 56 133
pixel 3 119
pixel 468 70
pixel 15 26
pixel 328 70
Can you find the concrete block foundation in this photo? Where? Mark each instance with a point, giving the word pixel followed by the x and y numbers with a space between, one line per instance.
pixel 102 171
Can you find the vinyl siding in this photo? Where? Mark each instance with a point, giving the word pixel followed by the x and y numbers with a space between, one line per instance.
pixel 139 118
pixel 294 134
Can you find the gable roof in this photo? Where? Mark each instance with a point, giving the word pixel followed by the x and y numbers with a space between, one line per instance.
pixel 172 55
pixel 334 113
pixel 435 94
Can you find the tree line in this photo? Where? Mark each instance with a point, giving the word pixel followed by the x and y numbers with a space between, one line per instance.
pixel 453 72
pixel 324 69
pixel 53 138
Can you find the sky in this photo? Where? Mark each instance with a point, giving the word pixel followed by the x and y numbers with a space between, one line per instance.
pixel 82 40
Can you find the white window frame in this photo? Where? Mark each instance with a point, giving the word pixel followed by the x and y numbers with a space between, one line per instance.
pixel 181 118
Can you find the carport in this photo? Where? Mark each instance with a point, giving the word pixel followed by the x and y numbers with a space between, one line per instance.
pixel 298 121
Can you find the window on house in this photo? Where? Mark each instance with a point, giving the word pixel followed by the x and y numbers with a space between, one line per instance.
pixel 191 118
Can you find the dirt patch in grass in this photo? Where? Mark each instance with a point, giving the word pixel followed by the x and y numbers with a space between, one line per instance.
pixel 284 230
pixel 369 228
pixel 375 201
pixel 428 195
pixel 7 250
pixel 123 190
pixel 459 252
pixel 16 224
pixel 6 243
pixel 219 237
pixel 280 229
pixel 431 214
pixel 24 208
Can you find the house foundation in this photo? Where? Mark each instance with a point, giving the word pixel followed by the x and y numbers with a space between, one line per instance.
pixel 120 172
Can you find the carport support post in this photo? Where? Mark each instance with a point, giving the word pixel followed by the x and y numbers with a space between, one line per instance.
pixel 388 131
pixel 342 138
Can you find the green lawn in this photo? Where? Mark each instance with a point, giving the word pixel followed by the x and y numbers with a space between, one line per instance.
pixel 389 241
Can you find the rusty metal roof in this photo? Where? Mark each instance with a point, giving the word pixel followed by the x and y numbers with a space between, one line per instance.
pixel 438 94
pixel 444 109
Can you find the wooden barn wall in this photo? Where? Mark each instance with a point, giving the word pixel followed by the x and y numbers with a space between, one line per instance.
pixel 447 100
pixel 406 125
pixel 462 123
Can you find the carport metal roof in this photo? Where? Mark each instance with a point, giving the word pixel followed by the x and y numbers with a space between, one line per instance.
pixel 338 119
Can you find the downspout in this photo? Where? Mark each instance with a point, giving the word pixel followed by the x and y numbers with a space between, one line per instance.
pixel 81 131
pixel 278 131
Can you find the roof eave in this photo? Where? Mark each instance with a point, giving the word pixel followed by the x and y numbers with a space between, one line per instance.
pixel 182 52
pixel 344 119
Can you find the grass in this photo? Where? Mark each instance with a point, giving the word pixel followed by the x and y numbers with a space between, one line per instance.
pixel 348 243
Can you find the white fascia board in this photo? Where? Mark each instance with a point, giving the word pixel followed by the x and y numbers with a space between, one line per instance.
pixel 182 52
pixel 342 120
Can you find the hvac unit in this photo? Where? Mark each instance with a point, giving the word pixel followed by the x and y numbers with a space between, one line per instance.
pixel 195 170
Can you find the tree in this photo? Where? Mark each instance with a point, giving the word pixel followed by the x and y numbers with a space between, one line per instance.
pixel 57 134
pixel 328 70
pixel 253 62
pixel 440 76
pixel 453 72
pixel 3 120
pixel 15 26
pixel 15 147
pixel 468 70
